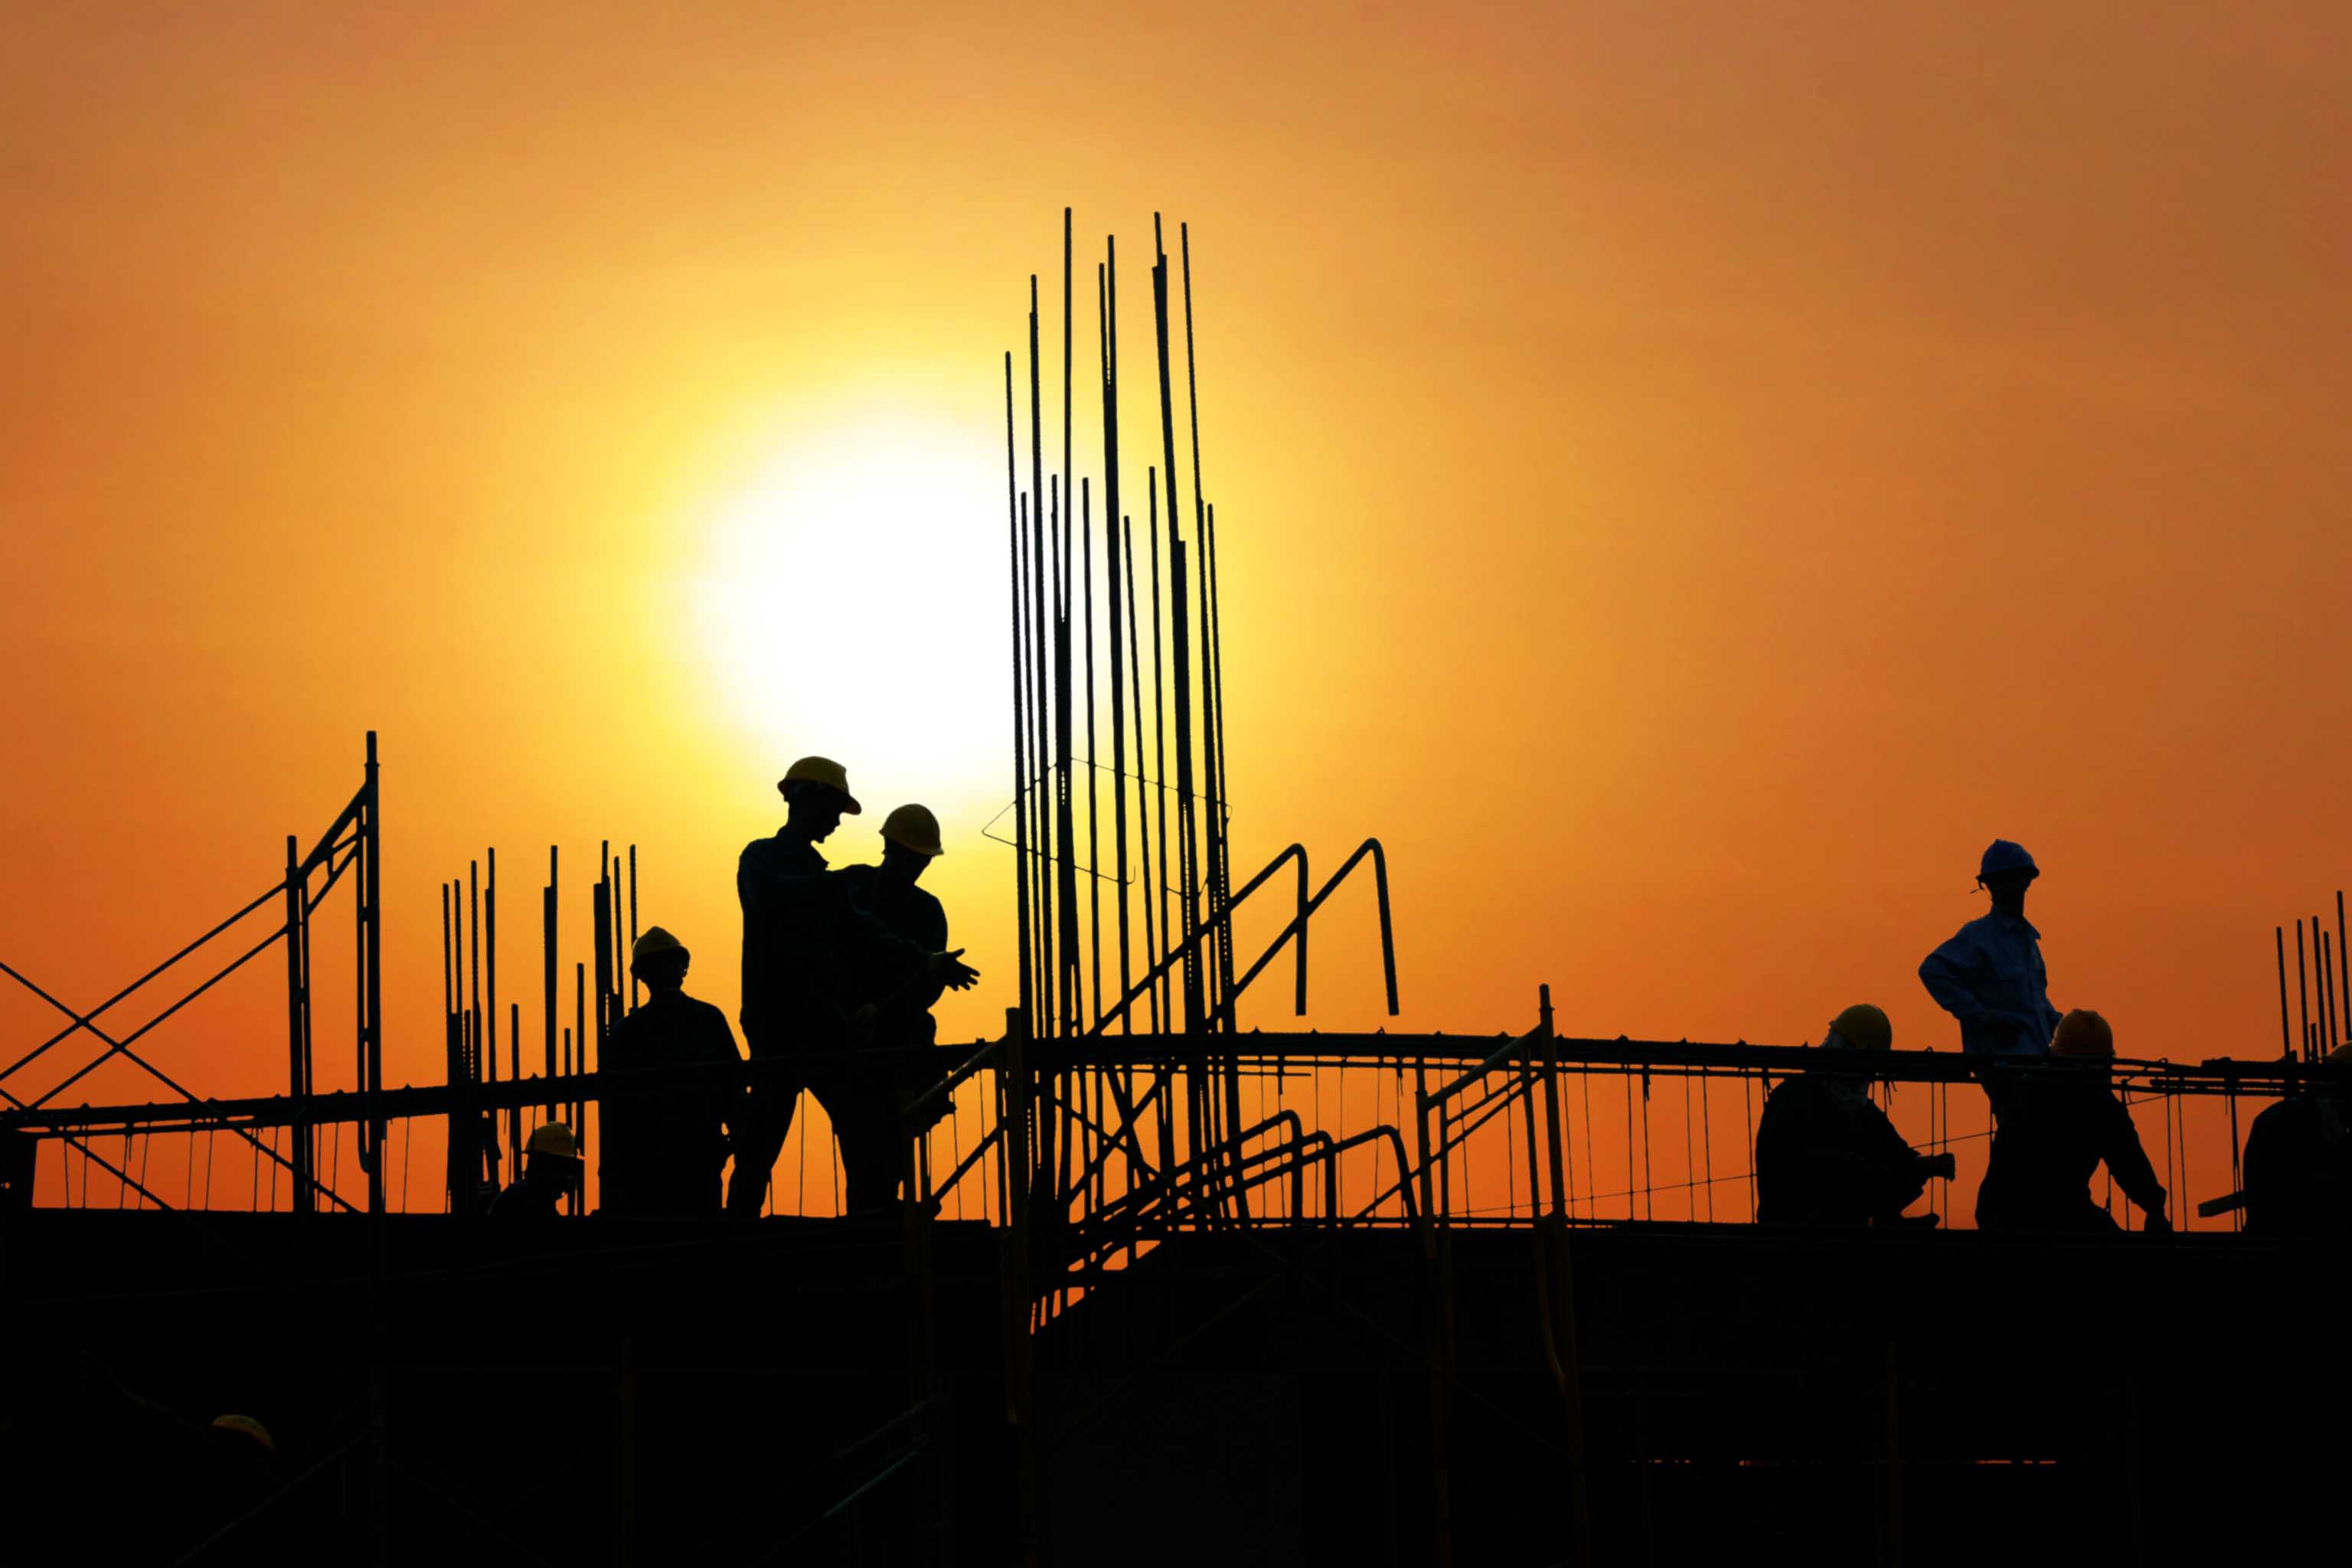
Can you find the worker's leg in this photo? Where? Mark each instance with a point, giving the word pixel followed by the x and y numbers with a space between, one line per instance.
pixel 768 1121
pixel 866 1120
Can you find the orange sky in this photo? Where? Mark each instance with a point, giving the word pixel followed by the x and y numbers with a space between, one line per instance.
pixel 1687 477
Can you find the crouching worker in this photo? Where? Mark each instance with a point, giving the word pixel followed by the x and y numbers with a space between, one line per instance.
pixel 550 1169
pixel 2057 1124
pixel 1825 1154
pixel 665 1142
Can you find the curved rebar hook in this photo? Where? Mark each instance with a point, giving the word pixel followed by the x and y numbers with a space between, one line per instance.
pixel 1218 918
pixel 1298 927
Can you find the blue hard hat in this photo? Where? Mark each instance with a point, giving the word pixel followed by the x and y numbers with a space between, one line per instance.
pixel 2006 855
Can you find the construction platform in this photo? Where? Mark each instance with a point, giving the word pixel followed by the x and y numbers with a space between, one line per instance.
pixel 811 1391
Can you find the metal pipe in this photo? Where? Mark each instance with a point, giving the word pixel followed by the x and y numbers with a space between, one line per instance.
pixel 371 918
pixel 298 1066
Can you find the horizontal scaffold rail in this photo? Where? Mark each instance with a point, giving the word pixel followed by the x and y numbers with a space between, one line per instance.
pixel 1262 1051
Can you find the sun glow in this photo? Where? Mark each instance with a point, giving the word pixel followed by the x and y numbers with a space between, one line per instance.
pixel 853 604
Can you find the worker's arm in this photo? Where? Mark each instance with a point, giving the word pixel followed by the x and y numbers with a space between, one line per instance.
pixel 1950 974
pixel 2127 1160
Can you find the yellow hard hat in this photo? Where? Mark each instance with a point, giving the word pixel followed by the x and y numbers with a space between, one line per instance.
pixel 820 770
pixel 2083 1032
pixel 1864 1028
pixel 248 1425
pixel 656 940
pixel 913 827
pixel 552 1139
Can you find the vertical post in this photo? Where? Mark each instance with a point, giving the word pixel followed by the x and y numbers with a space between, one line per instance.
pixel 546 968
pixel 629 951
pixel 371 972
pixel 1042 671
pixel 297 1041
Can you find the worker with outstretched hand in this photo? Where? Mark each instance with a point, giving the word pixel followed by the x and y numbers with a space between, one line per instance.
pixel 665 1144
pixel 2057 1124
pixel 1825 1154
pixel 802 939
pixel 893 1012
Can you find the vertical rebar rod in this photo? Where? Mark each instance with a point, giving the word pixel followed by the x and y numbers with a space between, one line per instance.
pixel 2302 990
pixel 548 968
pixel 1020 702
pixel 298 1075
pixel 1180 655
pixel 2323 989
pixel 1142 801
pixel 1159 745
pixel 1212 675
pixel 1066 838
pixel 1106 282
pixel 578 1044
pixel 633 925
pixel 2328 980
pixel 2287 1037
pixel 1042 668
pixel 2343 972
pixel 474 956
pixel 1093 803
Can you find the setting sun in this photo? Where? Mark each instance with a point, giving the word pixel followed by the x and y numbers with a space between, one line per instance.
pixel 849 603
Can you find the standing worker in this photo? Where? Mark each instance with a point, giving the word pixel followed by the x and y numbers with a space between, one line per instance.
pixel 800 934
pixel 666 1144
pixel 2056 1125
pixel 2299 1157
pixel 899 1011
pixel 1990 976
pixel 1825 1154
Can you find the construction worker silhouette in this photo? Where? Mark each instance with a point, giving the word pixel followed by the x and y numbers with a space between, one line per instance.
pixel 665 1144
pixel 895 1011
pixel 550 1169
pixel 1825 1154
pixel 1991 975
pixel 2056 1126
pixel 2299 1157
pixel 802 942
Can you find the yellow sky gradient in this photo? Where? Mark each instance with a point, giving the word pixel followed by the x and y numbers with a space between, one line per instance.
pixel 1688 476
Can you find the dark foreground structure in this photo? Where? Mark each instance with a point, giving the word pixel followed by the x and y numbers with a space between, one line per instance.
pixel 794 1392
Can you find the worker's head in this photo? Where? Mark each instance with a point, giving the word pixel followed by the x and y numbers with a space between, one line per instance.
pixel 2005 871
pixel 911 842
pixel 817 797
pixel 659 960
pixel 554 1156
pixel 2084 1034
pixel 1860 1028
